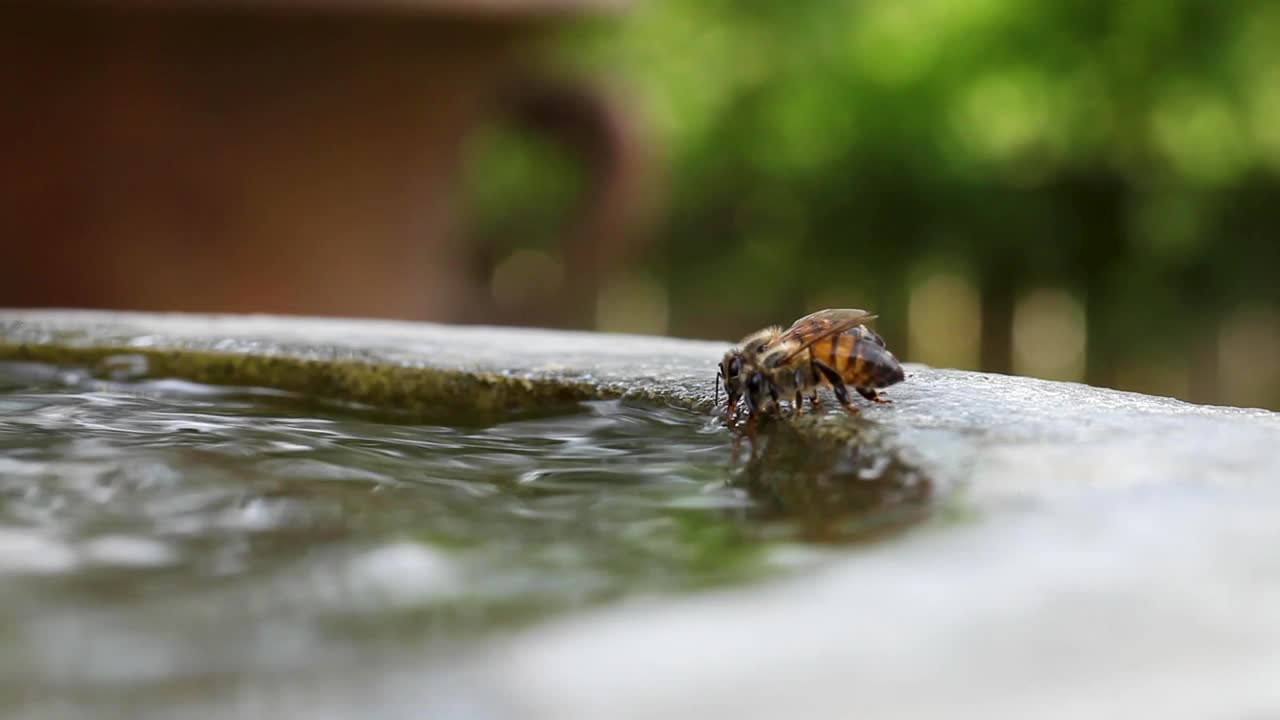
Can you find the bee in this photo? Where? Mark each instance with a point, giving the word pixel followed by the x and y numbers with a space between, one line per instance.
pixel 832 347
pixel 740 361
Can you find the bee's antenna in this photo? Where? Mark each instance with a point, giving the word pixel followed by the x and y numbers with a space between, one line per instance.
pixel 716 394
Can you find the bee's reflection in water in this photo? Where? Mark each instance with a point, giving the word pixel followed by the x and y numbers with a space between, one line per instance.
pixel 828 490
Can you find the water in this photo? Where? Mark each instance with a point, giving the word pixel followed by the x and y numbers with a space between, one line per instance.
pixel 176 551
pixel 158 536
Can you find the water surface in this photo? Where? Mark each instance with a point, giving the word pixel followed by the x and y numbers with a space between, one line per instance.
pixel 157 535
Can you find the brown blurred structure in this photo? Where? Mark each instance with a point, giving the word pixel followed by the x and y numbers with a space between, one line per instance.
pixel 274 156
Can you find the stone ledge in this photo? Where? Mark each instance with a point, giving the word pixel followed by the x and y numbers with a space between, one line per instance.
pixel 957 426
pixel 1116 558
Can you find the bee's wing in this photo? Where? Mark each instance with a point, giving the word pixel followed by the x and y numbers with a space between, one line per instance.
pixel 823 324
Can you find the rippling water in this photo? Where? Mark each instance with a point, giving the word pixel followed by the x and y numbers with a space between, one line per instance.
pixel 155 534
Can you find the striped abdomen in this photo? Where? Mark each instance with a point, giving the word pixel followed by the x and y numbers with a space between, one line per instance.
pixel 860 357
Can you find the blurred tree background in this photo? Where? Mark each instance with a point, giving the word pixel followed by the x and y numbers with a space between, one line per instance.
pixel 1085 191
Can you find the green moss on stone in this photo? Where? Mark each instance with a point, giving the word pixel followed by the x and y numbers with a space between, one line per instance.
pixel 421 391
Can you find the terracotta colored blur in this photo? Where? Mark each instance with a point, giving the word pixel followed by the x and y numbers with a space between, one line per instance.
pixel 251 160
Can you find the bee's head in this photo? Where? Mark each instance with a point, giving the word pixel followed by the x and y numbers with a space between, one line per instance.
pixel 730 374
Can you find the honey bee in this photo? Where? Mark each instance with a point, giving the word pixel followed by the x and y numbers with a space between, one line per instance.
pixel 832 347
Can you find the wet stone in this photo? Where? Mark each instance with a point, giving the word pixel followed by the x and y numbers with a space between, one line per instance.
pixel 1050 549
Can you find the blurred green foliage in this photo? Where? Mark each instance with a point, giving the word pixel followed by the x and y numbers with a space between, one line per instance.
pixel 824 152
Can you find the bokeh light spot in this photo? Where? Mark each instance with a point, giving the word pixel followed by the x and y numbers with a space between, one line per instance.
pixel 633 303
pixel 944 317
pixel 1199 135
pixel 1248 351
pixel 1003 113
pixel 1049 335
pixel 525 276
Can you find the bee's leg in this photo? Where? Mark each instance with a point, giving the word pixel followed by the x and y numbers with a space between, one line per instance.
pixel 729 409
pixel 777 404
pixel 873 395
pixel 814 400
pixel 837 384
pixel 798 378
